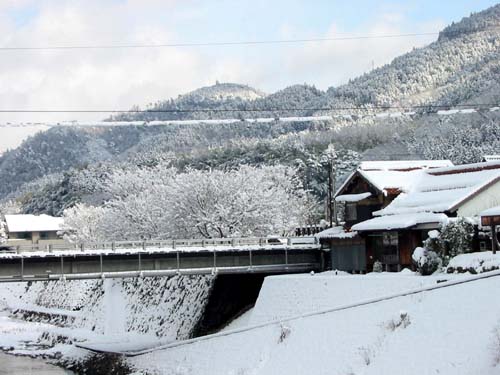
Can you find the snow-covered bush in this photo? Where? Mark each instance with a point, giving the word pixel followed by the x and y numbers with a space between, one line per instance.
pixel 456 237
pixel 402 320
pixel 426 261
pixel 377 266
pixel 284 333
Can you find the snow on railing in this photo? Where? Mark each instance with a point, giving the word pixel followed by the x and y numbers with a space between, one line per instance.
pixel 169 244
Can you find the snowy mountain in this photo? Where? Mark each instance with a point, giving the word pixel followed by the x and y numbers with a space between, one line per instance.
pixel 223 91
pixel 461 66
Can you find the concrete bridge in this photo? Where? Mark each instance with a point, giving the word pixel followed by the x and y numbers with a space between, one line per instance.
pixel 162 258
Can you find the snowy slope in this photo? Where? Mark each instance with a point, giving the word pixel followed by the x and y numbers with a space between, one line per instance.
pixel 426 333
pixel 285 296
pixel 157 307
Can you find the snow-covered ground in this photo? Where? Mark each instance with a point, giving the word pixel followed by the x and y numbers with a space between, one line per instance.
pixel 285 296
pixel 432 332
pixel 292 328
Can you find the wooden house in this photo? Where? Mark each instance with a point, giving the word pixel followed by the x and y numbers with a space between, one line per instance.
pixel 391 206
pixel 434 197
pixel 371 188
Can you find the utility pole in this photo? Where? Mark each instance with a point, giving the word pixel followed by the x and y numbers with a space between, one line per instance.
pixel 493 238
pixel 328 160
pixel 330 193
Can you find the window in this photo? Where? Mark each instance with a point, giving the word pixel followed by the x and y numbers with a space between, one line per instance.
pixel 385 247
pixel 390 247
pixel 24 235
pixel 350 212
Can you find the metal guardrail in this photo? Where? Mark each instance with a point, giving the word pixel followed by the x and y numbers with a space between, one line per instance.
pixel 163 258
pixel 172 244
pixel 273 268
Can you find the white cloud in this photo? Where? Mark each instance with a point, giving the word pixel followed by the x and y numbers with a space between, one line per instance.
pixel 120 78
pixel 332 63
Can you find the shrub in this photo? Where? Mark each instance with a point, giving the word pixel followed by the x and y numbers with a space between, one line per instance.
pixel 377 266
pixel 456 237
pixel 426 261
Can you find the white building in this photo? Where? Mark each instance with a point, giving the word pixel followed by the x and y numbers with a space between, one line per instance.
pixel 33 229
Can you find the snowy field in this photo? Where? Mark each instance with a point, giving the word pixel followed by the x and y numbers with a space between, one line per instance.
pixel 432 332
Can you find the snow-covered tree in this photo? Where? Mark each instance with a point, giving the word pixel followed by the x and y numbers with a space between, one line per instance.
pixel 84 224
pixel 159 204
pixel 3 232
pixel 245 202
pixel 457 236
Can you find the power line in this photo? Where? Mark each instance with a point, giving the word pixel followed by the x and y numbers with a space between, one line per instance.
pixel 276 109
pixel 215 44
pixel 230 43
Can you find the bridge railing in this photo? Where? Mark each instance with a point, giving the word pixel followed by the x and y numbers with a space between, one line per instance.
pixel 172 244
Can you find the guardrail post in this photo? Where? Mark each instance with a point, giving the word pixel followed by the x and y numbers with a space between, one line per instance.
pixel 173 244
pixel 100 263
pixel 286 256
pixel 289 241
pixel 233 242
pixel 50 248
pixel 178 262
pixel 62 266
pixel 261 241
pixel 143 245
pixel 250 255
pixel 140 262
pixel 113 246
pixel 202 243
pixel 82 247
pixel 215 261
pixel 18 249
pixel 22 268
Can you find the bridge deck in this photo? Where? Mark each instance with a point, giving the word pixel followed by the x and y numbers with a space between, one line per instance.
pixel 120 261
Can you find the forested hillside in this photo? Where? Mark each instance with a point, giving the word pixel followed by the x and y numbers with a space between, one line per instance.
pixel 63 166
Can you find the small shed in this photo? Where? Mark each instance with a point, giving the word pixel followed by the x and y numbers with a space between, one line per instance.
pixel 346 249
pixel 491 218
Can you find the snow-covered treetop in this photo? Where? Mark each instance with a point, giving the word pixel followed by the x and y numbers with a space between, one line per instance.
pixel 221 91
pixel 481 21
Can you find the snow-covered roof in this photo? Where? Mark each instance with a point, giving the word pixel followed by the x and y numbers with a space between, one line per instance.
pixel 389 222
pixel 443 189
pixel 403 165
pixel 493 211
pixel 335 232
pixel 394 174
pixel 352 197
pixel 491 157
pixel 33 223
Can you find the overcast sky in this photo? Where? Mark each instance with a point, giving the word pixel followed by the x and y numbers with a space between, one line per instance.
pixel 118 79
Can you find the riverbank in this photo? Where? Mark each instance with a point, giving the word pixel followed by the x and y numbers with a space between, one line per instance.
pixel 20 365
